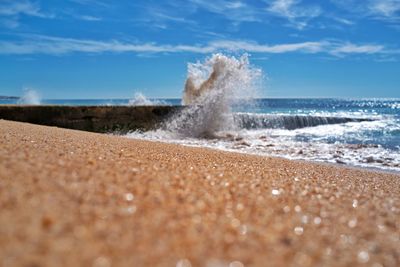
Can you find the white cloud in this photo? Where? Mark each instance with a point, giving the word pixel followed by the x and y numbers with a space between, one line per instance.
pixel 88 18
pixel 92 3
pixel 57 46
pixel 38 44
pixel 349 48
pixel 309 47
pixel 11 11
pixel 236 11
pixel 343 20
pixel 16 8
pixel 298 15
pixel 385 10
pixel 283 8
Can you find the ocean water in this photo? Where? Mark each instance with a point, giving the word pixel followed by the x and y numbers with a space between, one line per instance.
pixel 355 132
pixel 222 111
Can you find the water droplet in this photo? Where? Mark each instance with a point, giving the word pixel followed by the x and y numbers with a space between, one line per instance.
pixel 275 192
pixel 236 264
pixel 298 230
pixel 352 223
pixel 304 219
pixel 355 203
pixel 129 196
pixel 297 208
pixel 128 210
pixel 183 263
pixel 286 209
pixel 363 256
pixel 317 220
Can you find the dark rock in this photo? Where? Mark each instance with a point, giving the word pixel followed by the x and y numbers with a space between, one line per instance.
pixel 370 159
pixel 102 119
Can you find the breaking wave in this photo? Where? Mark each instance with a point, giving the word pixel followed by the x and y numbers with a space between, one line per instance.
pixel 30 97
pixel 211 88
pixel 141 100
pixel 355 132
pixel 289 122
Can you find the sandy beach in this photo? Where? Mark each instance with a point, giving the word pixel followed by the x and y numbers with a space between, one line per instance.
pixel 73 198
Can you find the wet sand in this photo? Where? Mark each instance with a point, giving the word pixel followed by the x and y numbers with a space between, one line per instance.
pixel 72 198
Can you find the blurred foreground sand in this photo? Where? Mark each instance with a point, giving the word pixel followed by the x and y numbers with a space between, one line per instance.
pixel 72 198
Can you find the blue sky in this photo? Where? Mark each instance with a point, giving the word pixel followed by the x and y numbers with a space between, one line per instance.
pixel 112 49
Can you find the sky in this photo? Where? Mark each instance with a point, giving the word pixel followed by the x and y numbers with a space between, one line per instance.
pixel 112 49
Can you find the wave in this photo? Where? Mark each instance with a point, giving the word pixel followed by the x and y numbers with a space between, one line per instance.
pixel 30 97
pixel 289 122
pixel 141 100
pixel 211 88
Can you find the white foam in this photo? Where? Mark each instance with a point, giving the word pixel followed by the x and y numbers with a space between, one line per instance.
pixel 312 143
pixel 140 99
pixel 30 97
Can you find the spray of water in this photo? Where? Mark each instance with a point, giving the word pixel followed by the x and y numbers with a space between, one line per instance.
pixel 141 100
pixel 30 97
pixel 211 88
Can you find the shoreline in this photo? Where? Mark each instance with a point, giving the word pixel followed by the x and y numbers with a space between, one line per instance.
pixel 71 197
pixel 339 165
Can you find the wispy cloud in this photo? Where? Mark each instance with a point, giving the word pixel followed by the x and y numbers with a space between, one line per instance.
pixel 386 10
pixel 38 44
pixel 97 3
pixel 88 18
pixel 308 47
pixel 236 11
pixel 16 8
pixel 296 13
pixel 11 11
pixel 343 20
pixel 349 48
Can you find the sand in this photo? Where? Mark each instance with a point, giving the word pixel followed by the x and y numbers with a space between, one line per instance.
pixel 73 198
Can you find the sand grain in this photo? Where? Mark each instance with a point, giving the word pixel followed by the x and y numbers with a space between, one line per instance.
pixel 71 198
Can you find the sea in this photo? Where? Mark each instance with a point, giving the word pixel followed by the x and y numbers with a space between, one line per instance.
pixel 352 132
pixel 223 111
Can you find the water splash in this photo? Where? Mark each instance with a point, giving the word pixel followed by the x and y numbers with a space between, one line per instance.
pixel 30 97
pixel 211 88
pixel 141 100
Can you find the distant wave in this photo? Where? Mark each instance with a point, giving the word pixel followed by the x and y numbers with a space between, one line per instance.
pixel 141 100
pixel 30 97
pixel 289 122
